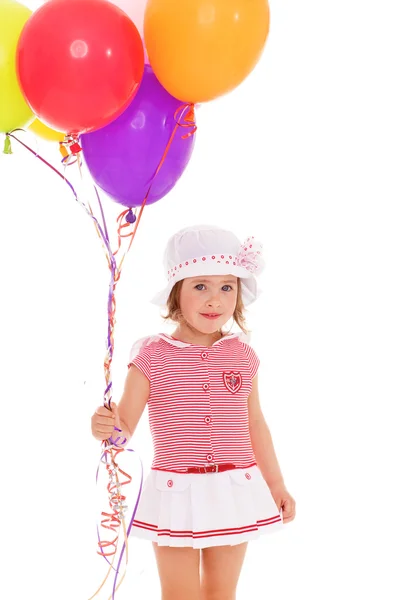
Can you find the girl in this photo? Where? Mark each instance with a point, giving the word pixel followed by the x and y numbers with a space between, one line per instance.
pixel 215 481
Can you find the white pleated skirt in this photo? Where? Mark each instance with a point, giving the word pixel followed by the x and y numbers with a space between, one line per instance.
pixel 203 510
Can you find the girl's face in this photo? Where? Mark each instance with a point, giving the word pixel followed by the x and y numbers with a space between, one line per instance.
pixel 208 302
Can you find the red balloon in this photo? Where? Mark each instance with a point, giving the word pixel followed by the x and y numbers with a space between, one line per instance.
pixel 79 63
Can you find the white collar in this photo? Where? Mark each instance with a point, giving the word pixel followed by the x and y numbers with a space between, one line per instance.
pixel 179 344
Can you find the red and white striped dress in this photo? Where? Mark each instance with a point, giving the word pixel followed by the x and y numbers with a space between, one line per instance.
pixel 198 413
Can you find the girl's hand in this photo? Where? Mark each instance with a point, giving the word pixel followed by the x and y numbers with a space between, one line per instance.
pixel 104 421
pixel 284 501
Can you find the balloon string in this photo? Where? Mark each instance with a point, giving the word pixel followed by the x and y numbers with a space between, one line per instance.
pixel 102 212
pixel 189 119
pixel 116 499
pixel 82 204
pixel 125 544
pixel 115 519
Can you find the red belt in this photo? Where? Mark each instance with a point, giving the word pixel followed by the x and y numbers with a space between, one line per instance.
pixel 212 468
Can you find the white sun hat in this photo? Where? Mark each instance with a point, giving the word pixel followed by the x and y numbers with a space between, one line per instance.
pixel 208 250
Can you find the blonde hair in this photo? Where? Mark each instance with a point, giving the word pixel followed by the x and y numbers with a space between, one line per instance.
pixel 174 312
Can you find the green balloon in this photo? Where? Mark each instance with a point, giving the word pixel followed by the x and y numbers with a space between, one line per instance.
pixel 14 111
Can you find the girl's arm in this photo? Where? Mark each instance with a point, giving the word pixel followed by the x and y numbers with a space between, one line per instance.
pixel 261 440
pixel 133 401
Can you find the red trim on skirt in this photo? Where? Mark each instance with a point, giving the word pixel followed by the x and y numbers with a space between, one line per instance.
pixel 210 533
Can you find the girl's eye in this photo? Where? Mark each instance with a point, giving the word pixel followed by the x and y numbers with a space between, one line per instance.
pixel 225 288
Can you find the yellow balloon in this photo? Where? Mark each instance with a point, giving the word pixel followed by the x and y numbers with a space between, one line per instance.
pixel 202 49
pixel 14 111
pixel 46 133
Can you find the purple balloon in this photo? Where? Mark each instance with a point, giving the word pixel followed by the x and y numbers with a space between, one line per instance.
pixel 122 157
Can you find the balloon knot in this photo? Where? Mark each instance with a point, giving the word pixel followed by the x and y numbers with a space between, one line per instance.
pixel 7 145
pixel 189 117
pixel 188 121
pixel 70 149
pixel 75 148
pixel 130 217
pixel 63 150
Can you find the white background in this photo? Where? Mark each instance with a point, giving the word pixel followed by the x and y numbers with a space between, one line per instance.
pixel 304 155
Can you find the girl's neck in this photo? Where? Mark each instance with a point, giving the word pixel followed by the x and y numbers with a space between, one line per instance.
pixel 189 335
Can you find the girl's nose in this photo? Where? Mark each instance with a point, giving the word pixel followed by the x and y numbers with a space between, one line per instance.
pixel 214 300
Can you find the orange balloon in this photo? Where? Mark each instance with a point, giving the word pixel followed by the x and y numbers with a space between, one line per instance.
pixel 202 49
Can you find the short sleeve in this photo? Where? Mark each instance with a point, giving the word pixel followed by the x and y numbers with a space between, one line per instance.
pixel 254 361
pixel 140 355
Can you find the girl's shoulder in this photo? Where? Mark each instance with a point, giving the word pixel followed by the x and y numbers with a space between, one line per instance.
pixel 144 344
pixel 243 339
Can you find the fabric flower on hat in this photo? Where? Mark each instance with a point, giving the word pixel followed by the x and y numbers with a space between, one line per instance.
pixel 250 256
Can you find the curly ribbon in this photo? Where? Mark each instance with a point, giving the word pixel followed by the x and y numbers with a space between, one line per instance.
pixel 116 516
pixel 114 520
pixel 189 119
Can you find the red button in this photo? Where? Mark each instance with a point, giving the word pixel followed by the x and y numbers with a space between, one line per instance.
pixel 207 420
pixel 205 386
pixel 204 355
pixel 248 476
pixel 170 483
pixel 209 457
